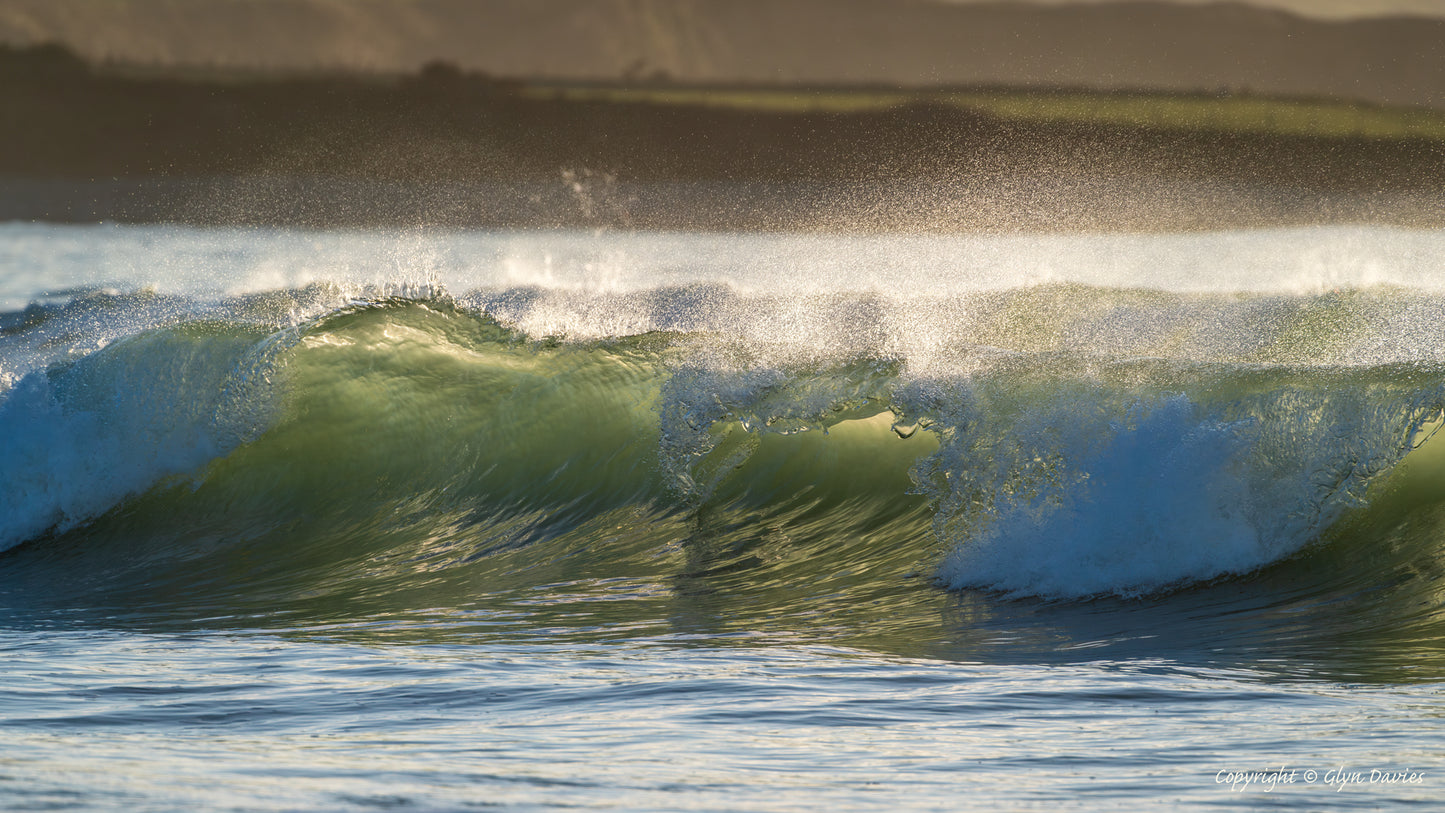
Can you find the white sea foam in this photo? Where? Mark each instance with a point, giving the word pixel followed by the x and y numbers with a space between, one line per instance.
pixel 1070 498
pixel 79 438
pixel 41 259
pixel 1154 500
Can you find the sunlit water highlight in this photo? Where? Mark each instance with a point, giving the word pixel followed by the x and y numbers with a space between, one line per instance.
pixel 437 520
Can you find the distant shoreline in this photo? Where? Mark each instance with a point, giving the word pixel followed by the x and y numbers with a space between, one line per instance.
pixel 446 147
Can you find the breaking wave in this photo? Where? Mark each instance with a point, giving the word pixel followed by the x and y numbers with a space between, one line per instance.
pixel 1059 442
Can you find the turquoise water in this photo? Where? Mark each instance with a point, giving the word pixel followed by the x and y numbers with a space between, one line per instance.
pixel 442 520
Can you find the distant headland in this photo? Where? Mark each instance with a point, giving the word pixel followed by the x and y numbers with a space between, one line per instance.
pixel 1137 45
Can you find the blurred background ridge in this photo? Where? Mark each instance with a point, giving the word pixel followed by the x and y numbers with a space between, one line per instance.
pixel 1382 52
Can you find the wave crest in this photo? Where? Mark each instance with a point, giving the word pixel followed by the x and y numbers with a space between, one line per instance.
pixel 430 428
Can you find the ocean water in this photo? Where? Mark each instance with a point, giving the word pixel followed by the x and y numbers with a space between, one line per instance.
pixel 447 520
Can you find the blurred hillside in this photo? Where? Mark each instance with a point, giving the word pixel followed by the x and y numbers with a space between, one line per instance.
pixel 1127 45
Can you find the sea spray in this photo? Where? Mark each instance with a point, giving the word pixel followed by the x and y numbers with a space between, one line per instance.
pixel 80 436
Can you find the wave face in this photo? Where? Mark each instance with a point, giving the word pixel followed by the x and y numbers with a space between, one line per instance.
pixel 421 443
